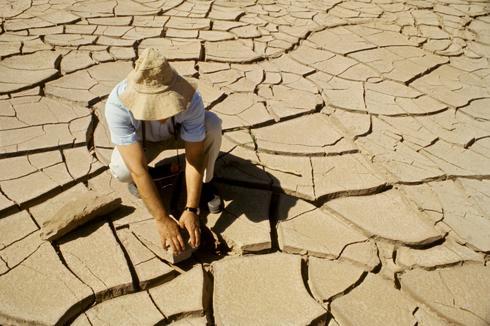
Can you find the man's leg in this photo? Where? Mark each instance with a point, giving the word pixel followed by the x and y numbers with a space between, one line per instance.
pixel 118 168
pixel 212 144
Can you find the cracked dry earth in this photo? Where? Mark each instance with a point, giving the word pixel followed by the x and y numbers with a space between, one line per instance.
pixel 355 163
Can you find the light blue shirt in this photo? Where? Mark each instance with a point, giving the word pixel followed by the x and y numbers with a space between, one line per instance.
pixel 125 129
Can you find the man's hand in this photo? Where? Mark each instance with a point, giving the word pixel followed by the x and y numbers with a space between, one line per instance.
pixel 190 221
pixel 170 235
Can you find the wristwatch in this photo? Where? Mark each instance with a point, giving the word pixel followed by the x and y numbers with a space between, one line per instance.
pixel 193 210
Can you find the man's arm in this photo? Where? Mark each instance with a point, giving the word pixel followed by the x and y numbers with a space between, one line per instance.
pixel 134 157
pixel 194 155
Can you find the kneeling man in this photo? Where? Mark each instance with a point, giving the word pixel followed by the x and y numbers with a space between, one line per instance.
pixel 154 109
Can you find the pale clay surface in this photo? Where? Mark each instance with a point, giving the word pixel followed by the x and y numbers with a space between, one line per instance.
pixel 355 162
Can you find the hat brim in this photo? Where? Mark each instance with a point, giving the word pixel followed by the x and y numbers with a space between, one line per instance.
pixel 159 106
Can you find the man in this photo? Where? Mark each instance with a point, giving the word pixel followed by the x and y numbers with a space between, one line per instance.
pixel 145 108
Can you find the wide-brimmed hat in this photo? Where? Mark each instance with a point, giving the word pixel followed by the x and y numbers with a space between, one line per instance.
pixel 155 91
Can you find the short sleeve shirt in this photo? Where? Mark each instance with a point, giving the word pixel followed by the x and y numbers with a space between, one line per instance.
pixel 125 129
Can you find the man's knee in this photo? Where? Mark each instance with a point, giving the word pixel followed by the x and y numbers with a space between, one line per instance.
pixel 120 173
pixel 118 168
pixel 213 124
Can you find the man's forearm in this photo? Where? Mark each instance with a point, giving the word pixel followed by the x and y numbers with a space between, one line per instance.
pixel 150 196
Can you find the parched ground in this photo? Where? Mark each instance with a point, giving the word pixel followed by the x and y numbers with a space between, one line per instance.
pixel 355 162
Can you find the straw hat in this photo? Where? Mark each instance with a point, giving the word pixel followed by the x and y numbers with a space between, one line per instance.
pixel 155 91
